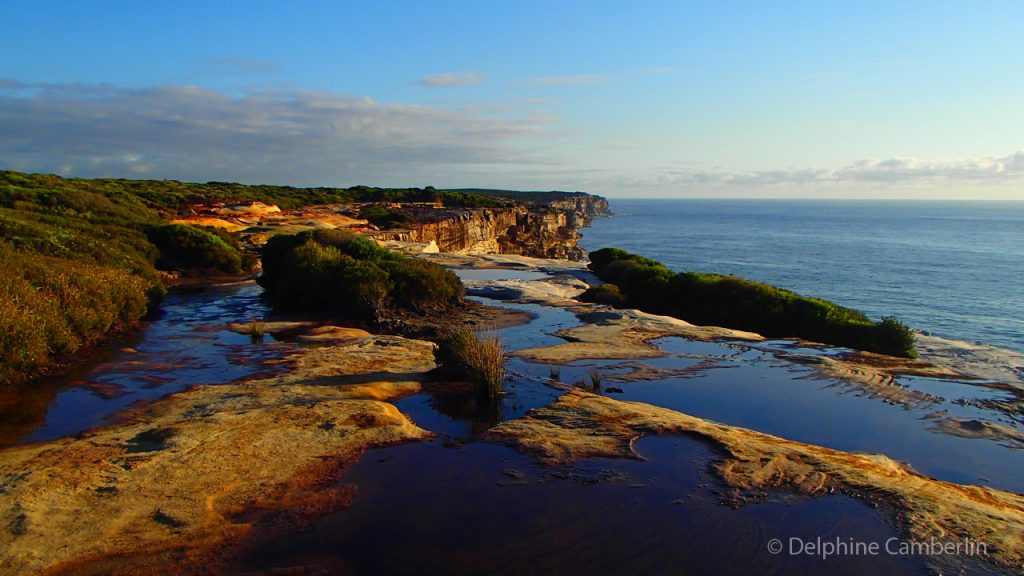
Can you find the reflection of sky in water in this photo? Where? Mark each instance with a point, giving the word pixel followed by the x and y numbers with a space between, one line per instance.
pixel 727 382
pixel 752 388
pixel 470 506
pixel 186 345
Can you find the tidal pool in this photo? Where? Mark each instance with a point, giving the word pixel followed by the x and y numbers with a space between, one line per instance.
pixel 185 345
pixel 457 505
pixel 427 508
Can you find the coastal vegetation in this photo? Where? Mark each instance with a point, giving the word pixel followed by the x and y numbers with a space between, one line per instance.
pixel 75 264
pixel 51 307
pixel 520 195
pixel 479 359
pixel 182 247
pixel 385 218
pixel 732 302
pixel 334 272
pixel 80 255
pixel 168 196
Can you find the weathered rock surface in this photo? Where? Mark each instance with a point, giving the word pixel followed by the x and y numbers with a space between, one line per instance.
pixel 610 333
pixel 581 425
pixel 199 469
pixel 542 233
pixel 625 334
pixel 554 291
pixel 978 361
pixel 329 334
pixel 973 428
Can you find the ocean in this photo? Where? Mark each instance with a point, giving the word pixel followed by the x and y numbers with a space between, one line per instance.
pixel 953 269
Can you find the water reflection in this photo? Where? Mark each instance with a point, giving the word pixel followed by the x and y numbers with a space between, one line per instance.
pixel 186 344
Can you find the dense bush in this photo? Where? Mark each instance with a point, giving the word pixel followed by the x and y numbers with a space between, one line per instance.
pixel 732 302
pixel 385 217
pixel 75 263
pixel 85 243
pixel 50 307
pixel 336 272
pixel 182 246
pixel 604 294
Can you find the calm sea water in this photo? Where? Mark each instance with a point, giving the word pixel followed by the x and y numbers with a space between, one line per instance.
pixel 954 269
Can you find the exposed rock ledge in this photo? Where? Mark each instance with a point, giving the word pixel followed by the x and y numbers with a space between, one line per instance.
pixel 623 333
pixel 201 468
pixel 541 230
pixel 581 425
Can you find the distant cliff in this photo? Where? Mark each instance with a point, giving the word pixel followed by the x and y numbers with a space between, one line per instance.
pixel 543 229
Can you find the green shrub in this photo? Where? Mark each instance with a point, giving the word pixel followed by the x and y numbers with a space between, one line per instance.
pixel 182 246
pixel 50 307
pixel 336 272
pixel 93 237
pixel 385 217
pixel 603 294
pixel 733 302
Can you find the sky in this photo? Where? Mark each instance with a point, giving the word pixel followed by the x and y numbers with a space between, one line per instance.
pixel 625 99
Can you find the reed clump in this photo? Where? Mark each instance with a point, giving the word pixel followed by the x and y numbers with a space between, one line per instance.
pixel 479 358
pixel 257 329
pixel 595 380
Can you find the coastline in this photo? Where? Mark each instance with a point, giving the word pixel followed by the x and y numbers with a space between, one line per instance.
pixel 353 379
pixel 945 268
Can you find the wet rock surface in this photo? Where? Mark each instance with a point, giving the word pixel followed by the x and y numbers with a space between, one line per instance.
pixel 201 469
pixel 583 425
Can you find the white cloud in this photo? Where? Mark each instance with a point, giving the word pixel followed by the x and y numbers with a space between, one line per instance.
pixel 192 133
pixel 892 171
pixel 451 80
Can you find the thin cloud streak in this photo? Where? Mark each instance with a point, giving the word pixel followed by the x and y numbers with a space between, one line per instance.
pixel 888 171
pixel 590 79
pixel 572 80
pixel 451 80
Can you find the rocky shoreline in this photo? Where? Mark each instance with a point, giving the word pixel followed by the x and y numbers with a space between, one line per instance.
pixel 548 229
pixel 194 476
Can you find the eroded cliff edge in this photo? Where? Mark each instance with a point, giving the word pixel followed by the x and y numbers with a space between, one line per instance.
pixel 548 229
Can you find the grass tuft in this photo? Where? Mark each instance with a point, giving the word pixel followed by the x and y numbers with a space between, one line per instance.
pixel 555 373
pixel 481 359
pixel 257 329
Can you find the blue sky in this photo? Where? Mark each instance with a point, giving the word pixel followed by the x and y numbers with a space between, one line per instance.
pixel 719 99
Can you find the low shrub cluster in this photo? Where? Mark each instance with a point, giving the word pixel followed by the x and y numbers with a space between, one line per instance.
pixel 182 246
pixel 50 307
pixel 73 247
pixel 335 272
pixel 732 302
pixel 385 218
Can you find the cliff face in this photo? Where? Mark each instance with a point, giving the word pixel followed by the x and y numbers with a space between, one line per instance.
pixel 586 205
pixel 542 230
